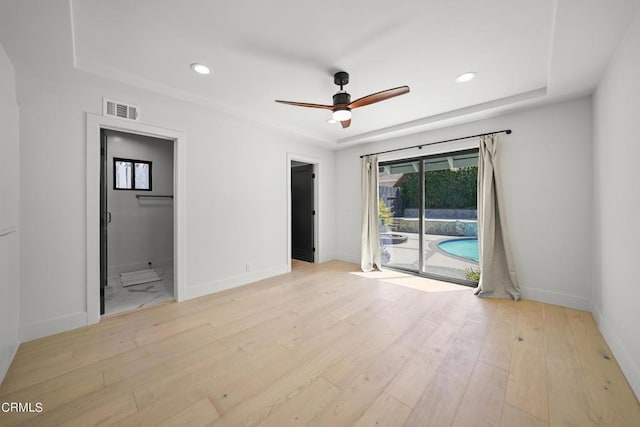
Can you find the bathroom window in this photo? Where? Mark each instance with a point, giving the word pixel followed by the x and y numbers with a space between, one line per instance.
pixel 131 174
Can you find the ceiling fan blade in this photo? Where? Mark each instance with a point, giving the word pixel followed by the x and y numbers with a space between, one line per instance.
pixel 345 123
pixel 379 96
pixel 305 104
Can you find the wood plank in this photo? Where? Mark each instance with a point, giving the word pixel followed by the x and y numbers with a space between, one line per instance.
pixel 412 380
pixel 442 397
pixel 569 401
pixel 206 375
pixel 385 411
pixel 261 375
pixel 362 392
pixel 514 417
pixel 501 337
pixel 202 413
pixel 302 406
pixel 255 409
pixel 160 352
pixel 105 411
pixel 172 408
pixel 52 394
pixel 530 324
pixel 270 352
pixel 527 386
pixel 18 380
pixel 610 394
pixel 484 397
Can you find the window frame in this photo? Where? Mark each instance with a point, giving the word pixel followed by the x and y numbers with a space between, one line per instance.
pixel 133 174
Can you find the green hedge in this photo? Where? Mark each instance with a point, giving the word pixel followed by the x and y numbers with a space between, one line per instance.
pixel 444 189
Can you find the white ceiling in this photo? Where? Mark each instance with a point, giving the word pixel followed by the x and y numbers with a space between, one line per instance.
pixel 524 51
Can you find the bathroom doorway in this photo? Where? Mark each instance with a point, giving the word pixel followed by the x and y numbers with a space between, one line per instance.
pixel 137 221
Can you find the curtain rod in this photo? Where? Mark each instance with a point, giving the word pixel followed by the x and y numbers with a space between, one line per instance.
pixel 507 131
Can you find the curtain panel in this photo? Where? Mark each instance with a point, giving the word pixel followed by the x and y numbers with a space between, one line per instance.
pixel 498 277
pixel 370 250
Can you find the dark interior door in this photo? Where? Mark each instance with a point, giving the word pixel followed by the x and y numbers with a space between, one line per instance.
pixel 302 213
pixel 104 217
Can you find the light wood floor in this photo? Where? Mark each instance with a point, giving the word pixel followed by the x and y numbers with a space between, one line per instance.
pixel 327 346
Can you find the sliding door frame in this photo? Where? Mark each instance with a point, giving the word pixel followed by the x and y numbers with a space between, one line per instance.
pixel 421 211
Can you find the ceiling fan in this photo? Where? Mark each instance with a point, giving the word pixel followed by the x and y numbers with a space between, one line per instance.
pixel 342 104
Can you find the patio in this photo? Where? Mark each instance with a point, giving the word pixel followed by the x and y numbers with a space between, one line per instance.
pixel 406 256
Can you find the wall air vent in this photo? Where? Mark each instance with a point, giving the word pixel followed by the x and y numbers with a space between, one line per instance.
pixel 118 109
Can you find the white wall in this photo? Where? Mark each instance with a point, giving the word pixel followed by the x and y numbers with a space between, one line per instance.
pixel 228 226
pixel 616 293
pixel 141 230
pixel 9 223
pixel 546 165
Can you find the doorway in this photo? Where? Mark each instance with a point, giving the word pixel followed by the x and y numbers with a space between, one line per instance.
pixel 137 221
pixel 428 215
pixel 302 211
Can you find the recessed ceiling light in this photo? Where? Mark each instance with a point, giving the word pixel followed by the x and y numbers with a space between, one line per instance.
pixel 332 121
pixel 466 77
pixel 200 68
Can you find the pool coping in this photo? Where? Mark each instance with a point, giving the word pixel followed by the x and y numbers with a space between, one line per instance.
pixel 460 258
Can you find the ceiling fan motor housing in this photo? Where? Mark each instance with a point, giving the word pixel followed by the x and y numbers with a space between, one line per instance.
pixel 341 98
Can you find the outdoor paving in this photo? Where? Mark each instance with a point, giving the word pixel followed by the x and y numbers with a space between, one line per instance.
pixel 406 255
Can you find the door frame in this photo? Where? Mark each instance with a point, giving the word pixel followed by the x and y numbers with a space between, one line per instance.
pixel 94 123
pixel 317 165
pixel 421 189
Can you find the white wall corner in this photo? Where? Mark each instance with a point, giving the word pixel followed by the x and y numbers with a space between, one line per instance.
pixel 52 326
pixel 6 364
pixel 556 298
pixel 326 258
pixel 352 258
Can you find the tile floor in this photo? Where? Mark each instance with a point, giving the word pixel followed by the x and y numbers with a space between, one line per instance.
pixel 119 299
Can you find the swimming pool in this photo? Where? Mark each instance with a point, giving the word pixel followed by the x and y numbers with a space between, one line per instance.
pixel 465 248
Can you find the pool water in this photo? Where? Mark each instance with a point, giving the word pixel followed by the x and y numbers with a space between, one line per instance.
pixel 466 248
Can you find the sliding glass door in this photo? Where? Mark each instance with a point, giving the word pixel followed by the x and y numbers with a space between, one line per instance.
pixel 428 216
pixel 398 208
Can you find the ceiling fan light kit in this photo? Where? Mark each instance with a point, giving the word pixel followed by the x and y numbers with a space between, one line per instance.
pixel 341 115
pixel 342 105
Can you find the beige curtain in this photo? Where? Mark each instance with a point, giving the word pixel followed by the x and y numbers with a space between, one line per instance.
pixel 498 277
pixel 370 251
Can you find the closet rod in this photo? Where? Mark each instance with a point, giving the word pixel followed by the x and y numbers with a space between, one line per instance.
pixel 507 131
pixel 159 196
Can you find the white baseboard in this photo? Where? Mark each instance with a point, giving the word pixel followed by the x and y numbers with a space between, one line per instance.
pixel 5 364
pixel 231 282
pixel 355 259
pixel 629 367
pixel 325 258
pixel 53 326
pixel 556 298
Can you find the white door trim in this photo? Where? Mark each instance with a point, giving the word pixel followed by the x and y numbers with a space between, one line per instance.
pixel 94 124
pixel 317 170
